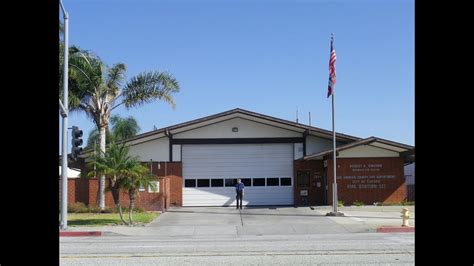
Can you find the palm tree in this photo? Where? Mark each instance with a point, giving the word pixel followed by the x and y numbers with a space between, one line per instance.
pixel 124 128
pixel 93 138
pixel 138 176
pixel 117 165
pixel 98 89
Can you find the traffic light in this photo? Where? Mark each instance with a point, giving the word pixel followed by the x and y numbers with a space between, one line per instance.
pixel 76 142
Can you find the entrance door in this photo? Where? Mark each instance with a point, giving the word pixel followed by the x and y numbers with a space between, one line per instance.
pixel 303 188
pixel 310 186
pixel 325 186
pixel 317 187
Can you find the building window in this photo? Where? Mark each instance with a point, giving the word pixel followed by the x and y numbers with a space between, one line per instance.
pixel 285 181
pixel 230 182
pixel 217 182
pixel 203 182
pixel 247 182
pixel 273 182
pixel 302 178
pixel 258 182
pixel 157 189
pixel 189 182
pixel 142 188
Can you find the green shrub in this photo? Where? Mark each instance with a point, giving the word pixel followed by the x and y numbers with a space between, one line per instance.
pixel 94 209
pixel 136 209
pixel 340 203
pixel 78 207
pixel 124 209
pixel 399 203
pixel 358 203
pixel 110 210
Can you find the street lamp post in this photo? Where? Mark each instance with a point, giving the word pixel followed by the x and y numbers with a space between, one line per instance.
pixel 64 113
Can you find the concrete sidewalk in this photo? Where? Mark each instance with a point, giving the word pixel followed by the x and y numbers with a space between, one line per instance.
pixel 225 222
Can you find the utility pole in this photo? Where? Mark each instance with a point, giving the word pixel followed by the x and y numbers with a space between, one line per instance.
pixel 64 113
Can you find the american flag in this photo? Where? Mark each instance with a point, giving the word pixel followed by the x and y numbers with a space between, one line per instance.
pixel 332 69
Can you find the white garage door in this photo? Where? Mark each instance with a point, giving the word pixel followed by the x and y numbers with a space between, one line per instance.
pixel 210 170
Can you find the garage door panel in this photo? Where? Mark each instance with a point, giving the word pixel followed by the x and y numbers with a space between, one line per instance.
pixel 260 196
pixel 237 161
pixel 209 197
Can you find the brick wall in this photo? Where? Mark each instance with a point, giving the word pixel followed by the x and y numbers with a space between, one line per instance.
pixel 173 170
pixel 82 190
pixel 368 180
pixel 315 192
pixel 149 201
pixel 86 190
pixel 71 190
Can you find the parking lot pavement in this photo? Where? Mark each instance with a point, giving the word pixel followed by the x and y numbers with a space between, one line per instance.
pixel 221 222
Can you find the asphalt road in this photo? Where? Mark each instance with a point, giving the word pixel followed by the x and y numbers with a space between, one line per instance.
pixel 348 248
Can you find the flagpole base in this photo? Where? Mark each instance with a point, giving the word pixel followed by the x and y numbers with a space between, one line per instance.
pixel 334 214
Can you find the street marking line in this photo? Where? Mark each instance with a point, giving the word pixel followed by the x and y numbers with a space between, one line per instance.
pixel 295 253
pixel 240 211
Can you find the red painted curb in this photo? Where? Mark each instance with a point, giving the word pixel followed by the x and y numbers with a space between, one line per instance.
pixel 386 229
pixel 91 233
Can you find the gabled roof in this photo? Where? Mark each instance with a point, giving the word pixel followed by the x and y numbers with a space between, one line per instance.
pixel 249 115
pixel 372 141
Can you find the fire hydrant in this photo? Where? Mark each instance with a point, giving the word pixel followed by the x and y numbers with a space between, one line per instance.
pixel 405 216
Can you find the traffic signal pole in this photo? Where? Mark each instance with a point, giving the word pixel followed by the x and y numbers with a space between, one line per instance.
pixel 64 112
pixel 76 142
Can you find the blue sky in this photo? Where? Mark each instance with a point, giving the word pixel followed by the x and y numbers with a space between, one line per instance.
pixel 269 57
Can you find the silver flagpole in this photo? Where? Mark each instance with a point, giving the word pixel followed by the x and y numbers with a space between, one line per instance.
pixel 334 184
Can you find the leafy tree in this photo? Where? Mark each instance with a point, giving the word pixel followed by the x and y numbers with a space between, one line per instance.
pixel 138 176
pixel 97 89
pixel 116 164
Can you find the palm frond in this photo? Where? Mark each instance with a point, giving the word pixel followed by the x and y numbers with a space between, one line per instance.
pixel 149 86
pixel 116 75
pixel 61 27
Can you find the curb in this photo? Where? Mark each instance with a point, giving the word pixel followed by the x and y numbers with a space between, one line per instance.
pixel 387 229
pixel 89 233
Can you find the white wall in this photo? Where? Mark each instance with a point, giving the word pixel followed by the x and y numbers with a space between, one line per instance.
pixel 176 152
pixel 316 144
pixel 247 129
pixel 157 150
pixel 71 173
pixel 366 151
pixel 298 150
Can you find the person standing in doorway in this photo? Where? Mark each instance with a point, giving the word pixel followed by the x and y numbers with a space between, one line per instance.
pixel 239 190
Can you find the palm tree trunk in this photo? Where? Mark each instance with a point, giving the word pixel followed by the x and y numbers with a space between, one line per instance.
pixel 102 177
pixel 131 193
pixel 116 195
pixel 119 207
